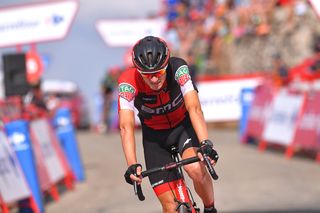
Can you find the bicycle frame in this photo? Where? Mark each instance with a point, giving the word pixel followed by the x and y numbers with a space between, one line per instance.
pixel 184 198
pixel 183 195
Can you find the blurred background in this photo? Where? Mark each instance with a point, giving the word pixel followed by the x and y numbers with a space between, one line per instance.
pixel 256 64
pixel 82 56
pixel 217 38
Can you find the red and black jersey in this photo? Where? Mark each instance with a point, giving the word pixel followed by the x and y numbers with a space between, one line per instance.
pixel 162 109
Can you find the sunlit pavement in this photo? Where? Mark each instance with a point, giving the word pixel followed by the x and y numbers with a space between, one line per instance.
pixel 250 181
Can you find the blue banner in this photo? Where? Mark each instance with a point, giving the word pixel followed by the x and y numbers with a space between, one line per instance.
pixel 246 98
pixel 18 134
pixel 67 137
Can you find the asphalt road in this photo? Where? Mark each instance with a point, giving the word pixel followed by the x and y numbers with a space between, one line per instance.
pixel 250 181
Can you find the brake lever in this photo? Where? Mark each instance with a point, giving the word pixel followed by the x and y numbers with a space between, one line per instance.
pixel 138 190
pixel 210 168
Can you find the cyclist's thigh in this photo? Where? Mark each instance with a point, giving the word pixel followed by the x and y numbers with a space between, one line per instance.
pixel 188 138
pixel 157 156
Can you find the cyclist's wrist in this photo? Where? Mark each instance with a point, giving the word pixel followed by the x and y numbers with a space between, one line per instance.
pixel 206 142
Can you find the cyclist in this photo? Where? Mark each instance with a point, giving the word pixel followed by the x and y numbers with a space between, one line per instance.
pixel 161 89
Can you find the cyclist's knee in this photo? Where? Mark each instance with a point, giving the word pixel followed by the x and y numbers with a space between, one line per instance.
pixel 169 207
pixel 167 202
pixel 196 171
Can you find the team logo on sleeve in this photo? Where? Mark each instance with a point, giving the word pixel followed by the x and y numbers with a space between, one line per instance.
pixel 126 91
pixel 182 75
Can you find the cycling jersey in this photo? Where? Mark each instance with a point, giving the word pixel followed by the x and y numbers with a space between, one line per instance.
pixel 163 109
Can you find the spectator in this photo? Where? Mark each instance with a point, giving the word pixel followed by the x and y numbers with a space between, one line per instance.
pixel 192 66
pixel 280 71
pixel 235 35
pixel 35 97
pixel 109 83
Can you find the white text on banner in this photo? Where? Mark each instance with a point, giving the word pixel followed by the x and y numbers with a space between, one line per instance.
pixel 40 129
pixel 281 125
pixel 220 99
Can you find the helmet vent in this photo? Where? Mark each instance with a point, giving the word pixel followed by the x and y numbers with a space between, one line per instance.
pixel 150 59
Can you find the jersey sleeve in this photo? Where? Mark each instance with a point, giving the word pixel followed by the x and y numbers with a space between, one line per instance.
pixel 182 76
pixel 127 92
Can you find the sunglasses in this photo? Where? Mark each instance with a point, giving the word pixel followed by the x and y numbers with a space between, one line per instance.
pixel 157 73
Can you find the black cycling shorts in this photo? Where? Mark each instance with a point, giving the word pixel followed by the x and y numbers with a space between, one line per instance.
pixel 157 144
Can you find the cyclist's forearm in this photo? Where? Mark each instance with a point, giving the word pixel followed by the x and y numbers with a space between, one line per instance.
pixel 128 144
pixel 198 123
pixel 193 106
pixel 126 123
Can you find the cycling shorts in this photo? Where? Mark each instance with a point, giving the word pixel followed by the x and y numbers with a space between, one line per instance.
pixel 157 144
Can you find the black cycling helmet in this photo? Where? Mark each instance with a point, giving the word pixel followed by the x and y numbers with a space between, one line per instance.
pixel 150 54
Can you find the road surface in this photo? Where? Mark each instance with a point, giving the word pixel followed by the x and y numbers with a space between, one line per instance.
pixel 250 181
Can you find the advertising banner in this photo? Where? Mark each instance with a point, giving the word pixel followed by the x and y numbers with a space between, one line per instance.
pixel 42 171
pixel 19 137
pixel 67 137
pixel 32 23
pixel 127 32
pixel 220 99
pixel 308 129
pixel 50 155
pixel 281 124
pixel 13 185
pixel 260 109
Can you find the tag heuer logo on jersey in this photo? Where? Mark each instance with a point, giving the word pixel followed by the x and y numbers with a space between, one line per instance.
pixel 126 91
pixel 182 75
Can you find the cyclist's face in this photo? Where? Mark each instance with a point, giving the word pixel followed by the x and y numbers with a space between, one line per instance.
pixel 155 80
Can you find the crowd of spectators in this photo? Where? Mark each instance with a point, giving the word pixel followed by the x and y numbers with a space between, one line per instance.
pixel 240 36
pixel 107 121
pixel 219 37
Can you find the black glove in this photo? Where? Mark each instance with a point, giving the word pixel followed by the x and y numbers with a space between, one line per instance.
pixel 206 149
pixel 131 170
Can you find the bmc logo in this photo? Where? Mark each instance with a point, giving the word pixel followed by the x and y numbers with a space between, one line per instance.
pixel 165 108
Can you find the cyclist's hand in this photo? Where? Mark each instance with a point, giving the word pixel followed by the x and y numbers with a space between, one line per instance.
pixel 133 173
pixel 206 148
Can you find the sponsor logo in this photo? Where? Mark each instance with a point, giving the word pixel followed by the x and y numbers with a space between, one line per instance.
pixel 63 121
pixel 152 99
pixel 165 108
pixel 20 24
pixel 126 91
pixel 56 19
pixel 187 141
pixel 182 75
pixel 180 191
pixel 310 121
pixel 18 141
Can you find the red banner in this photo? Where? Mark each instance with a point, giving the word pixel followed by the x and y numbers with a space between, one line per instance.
pixel 308 130
pixel 260 108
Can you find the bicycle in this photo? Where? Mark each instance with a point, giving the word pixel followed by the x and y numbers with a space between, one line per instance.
pixel 183 195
